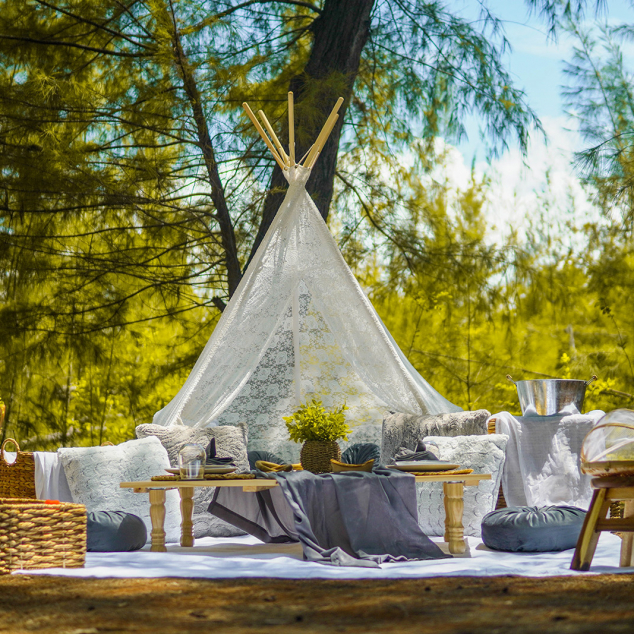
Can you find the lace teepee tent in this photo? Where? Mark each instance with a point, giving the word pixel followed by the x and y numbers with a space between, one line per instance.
pixel 298 326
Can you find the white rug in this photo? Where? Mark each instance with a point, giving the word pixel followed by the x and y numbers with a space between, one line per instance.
pixel 232 557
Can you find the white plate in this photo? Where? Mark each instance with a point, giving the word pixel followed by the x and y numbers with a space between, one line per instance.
pixel 425 465
pixel 208 469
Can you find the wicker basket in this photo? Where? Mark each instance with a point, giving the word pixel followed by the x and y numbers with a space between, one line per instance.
pixel 17 479
pixel 38 534
pixel 315 455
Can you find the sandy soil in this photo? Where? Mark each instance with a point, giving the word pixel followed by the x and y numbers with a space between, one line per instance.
pixel 598 604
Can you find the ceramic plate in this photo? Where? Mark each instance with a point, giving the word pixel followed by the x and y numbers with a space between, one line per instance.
pixel 425 465
pixel 208 469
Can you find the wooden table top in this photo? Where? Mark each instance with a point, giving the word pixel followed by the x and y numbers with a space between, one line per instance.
pixel 469 479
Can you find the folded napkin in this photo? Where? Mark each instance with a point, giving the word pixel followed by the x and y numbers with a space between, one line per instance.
pixel 420 453
pixel 268 467
pixel 216 461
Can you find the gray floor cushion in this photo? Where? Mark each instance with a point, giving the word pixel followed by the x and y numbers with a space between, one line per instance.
pixel 361 452
pixel 533 529
pixel 483 454
pixel 231 440
pixel 405 430
pixel 267 456
pixel 114 531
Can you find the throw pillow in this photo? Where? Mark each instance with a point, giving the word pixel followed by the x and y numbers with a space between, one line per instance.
pixel 483 454
pixel 231 440
pixel 94 475
pixel 405 430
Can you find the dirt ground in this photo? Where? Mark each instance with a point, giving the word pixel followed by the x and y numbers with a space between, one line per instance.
pixel 457 605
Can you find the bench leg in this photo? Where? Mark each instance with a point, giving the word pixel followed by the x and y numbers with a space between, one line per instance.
pixel 627 550
pixel 454 509
pixel 589 536
pixel 187 506
pixel 157 515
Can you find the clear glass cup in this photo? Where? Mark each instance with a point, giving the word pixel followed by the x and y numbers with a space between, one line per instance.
pixel 191 461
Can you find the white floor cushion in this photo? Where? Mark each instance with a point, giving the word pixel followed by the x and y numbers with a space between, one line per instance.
pixel 94 475
pixel 483 454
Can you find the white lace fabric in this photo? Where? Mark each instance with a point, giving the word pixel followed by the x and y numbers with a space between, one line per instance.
pixel 299 325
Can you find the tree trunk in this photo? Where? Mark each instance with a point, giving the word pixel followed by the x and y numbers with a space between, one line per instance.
pixel 227 234
pixel 340 33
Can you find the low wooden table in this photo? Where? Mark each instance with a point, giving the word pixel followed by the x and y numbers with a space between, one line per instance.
pixel 453 489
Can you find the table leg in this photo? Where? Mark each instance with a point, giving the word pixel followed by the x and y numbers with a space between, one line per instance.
pixel 627 550
pixel 187 506
pixel 157 515
pixel 454 509
pixel 589 537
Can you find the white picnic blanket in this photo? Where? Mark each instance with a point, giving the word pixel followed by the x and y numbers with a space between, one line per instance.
pixel 542 459
pixel 234 557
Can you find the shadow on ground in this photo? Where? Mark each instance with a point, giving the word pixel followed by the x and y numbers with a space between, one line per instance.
pixel 465 605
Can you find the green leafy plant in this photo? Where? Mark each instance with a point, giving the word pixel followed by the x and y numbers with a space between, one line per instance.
pixel 313 422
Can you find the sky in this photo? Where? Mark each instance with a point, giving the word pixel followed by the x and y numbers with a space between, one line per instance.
pixel 535 63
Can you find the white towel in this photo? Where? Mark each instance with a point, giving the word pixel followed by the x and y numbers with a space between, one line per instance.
pixel 542 459
pixel 50 479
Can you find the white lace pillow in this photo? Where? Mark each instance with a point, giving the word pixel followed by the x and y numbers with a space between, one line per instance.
pixel 231 440
pixel 483 454
pixel 94 475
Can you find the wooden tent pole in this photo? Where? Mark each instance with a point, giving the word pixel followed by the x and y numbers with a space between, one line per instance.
pixel 305 155
pixel 265 138
pixel 276 141
pixel 323 135
pixel 291 128
pixel 330 124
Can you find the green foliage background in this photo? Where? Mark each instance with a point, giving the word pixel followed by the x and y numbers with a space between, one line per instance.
pixel 113 264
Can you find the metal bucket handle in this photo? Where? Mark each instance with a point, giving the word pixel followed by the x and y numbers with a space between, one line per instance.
pixel 594 378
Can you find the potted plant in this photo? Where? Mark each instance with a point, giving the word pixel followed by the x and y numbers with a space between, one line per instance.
pixel 319 430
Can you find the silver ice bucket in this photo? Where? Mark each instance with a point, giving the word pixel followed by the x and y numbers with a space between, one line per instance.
pixel 550 396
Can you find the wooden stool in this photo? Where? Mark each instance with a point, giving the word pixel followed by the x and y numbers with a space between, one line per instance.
pixel 606 491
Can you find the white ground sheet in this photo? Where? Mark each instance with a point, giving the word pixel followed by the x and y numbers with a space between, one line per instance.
pixel 233 557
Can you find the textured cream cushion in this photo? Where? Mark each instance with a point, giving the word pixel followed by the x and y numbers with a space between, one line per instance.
pixel 405 430
pixel 483 454
pixel 94 475
pixel 231 440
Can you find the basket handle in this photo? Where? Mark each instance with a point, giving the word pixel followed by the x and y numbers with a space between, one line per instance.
pixel 2 450
pixel 107 443
pixel 510 378
pixel 594 378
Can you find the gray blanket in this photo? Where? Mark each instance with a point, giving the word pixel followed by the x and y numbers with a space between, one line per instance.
pixel 344 519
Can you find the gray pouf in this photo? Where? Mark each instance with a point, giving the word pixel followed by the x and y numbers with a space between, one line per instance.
pixel 533 529
pixel 361 452
pixel 261 454
pixel 114 532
